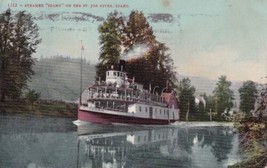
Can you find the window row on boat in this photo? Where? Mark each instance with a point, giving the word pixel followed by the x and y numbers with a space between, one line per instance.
pixel 155 112
pixel 124 95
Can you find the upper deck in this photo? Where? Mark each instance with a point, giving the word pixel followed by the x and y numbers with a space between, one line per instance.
pixel 120 79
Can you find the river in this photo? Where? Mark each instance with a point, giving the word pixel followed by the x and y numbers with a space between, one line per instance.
pixel 48 142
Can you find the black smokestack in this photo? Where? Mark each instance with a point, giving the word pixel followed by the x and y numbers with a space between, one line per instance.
pixel 121 66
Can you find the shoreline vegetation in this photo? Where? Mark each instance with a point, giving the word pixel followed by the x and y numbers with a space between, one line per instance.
pixel 253 142
pixel 40 108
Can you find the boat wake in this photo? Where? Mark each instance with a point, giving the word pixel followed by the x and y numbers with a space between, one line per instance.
pixel 79 122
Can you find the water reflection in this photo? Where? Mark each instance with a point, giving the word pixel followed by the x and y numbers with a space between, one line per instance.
pixel 157 147
pixel 30 142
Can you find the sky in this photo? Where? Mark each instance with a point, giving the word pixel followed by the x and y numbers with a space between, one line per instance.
pixel 207 38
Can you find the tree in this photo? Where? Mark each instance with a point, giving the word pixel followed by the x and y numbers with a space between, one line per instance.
pixel 19 37
pixel 162 63
pixel 223 95
pixel 248 93
pixel 32 96
pixel 110 41
pixel 210 104
pixel 201 108
pixel 156 61
pixel 261 102
pixel 137 31
pixel 115 32
pixel 186 97
pixel 158 66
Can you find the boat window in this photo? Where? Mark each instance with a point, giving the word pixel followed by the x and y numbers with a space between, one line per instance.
pixel 107 73
pixel 114 73
pixel 118 74
pixel 146 109
pixel 140 108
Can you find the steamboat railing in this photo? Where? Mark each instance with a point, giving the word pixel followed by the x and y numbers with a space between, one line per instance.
pixel 124 94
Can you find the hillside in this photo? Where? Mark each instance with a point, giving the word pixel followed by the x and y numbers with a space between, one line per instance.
pixel 58 78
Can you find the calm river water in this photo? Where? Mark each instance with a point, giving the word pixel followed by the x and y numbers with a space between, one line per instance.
pixel 45 142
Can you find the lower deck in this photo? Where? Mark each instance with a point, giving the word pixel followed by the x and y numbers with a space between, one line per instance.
pixel 134 109
pixel 124 118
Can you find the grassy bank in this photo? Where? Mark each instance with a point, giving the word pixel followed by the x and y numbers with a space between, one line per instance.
pixel 202 117
pixel 253 143
pixel 42 107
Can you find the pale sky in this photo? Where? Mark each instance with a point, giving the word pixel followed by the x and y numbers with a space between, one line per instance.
pixel 207 38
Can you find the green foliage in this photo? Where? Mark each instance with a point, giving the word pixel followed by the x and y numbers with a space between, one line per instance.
pixel 110 41
pixel 156 62
pixel 253 144
pixel 253 135
pixel 19 37
pixel 262 102
pixel 248 93
pixel 43 107
pixel 32 96
pixel 223 95
pixel 137 31
pixel 115 32
pixel 186 97
pixel 201 107
pixel 158 66
pixel 210 103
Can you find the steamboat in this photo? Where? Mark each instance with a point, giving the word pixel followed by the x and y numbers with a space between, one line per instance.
pixel 120 100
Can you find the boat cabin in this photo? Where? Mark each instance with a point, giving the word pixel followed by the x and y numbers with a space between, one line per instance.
pixel 119 78
pixel 116 77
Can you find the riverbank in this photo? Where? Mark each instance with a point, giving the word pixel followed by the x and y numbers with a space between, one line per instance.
pixel 199 117
pixel 41 107
pixel 253 143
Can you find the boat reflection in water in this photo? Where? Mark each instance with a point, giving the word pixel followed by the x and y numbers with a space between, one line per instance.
pixel 30 141
pixel 119 146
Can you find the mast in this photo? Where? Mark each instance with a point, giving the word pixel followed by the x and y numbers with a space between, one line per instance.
pixel 81 75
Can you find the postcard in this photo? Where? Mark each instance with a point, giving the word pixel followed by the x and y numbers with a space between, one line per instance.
pixel 86 83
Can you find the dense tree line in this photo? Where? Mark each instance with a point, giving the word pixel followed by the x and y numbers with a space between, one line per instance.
pixel 119 35
pixel 19 37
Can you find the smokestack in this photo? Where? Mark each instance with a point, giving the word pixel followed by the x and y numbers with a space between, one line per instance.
pixel 121 66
